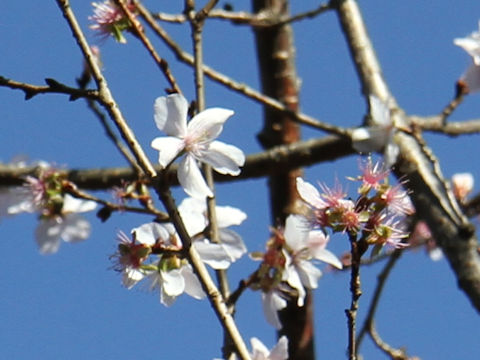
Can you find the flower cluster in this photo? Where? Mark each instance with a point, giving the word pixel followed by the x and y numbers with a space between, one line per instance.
pixel 109 20
pixel 59 218
pixel 196 140
pixel 287 267
pixel 155 251
pixel 376 216
pixel 471 77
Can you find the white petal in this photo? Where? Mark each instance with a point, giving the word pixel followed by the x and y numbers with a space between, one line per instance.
pixel 309 274
pixel 380 112
pixel 173 282
pixel 192 284
pixel 192 212
pixel 224 158
pixel 390 154
pixel 170 114
pixel 74 205
pixel 369 139
pixel 47 236
pixel 228 216
pixel 328 257
pixel 74 228
pixel 294 280
pixel 232 243
pixel 149 233
pixel 272 303
pixel 472 78
pixel 296 231
pixel 131 276
pixel 208 124
pixel 471 46
pixel 168 147
pixel 310 194
pixel 191 179
pixel 212 254
pixel 280 351
pixel 259 350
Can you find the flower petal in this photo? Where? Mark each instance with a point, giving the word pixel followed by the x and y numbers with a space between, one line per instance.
pixel 208 124
pixel 192 212
pixel 47 236
pixel 232 243
pixel 380 112
pixel 370 138
pixel 170 114
pixel 328 257
pixel 280 351
pixel 168 147
pixel 224 158
pixel 228 216
pixel 191 179
pixel 212 254
pixel 74 228
pixel 74 205
pixel 172 282
pixel 296 232
pixel 472 78
pixel 272 303
pixel 192 284
pixel 310 194
pixel 149 233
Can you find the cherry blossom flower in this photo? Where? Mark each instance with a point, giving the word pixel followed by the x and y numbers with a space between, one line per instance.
pixel 379 135
pixel 66 225
pixel 231 247
pixel 471 44
pixel 397 200
pixel 196 140
pixel 170 274
pixel 462 185
pixel 373 175
pixel 108 19
pixel 302 246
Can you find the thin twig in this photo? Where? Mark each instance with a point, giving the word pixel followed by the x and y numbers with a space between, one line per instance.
pixel 159 215
pixel 138 31
pixel 214 296
pixel 356 292
pixel 234 85
pixel 105 96
pixel 395 354
pixel 382 278
pixel 246 18
pixel 53 86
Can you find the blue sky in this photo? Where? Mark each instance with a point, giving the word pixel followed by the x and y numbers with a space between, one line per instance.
pixel 72 305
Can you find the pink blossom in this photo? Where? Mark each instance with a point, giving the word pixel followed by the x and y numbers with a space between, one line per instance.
pixel 196 140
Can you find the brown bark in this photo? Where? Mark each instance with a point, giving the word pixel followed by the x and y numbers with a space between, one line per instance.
pixel 275 52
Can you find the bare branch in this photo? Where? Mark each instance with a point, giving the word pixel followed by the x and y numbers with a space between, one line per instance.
pixel 138 31
pixel 53 86
pixel 233 85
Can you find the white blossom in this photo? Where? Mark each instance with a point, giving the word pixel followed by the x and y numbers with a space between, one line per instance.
pixel 231 247
pixel 67 226
pixel 197 140
pixel 303 246
pixel 379 135
pixel 471 44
